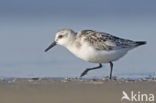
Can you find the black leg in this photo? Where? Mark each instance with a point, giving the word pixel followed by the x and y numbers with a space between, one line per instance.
pixel 86 71
pixel 111 69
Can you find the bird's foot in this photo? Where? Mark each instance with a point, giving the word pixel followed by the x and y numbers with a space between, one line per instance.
pixel 84 73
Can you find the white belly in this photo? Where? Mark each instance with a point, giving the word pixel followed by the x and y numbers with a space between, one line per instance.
pixel 104 56
pixel 98 56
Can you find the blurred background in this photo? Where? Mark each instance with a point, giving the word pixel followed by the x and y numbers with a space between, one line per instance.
pixel 27 27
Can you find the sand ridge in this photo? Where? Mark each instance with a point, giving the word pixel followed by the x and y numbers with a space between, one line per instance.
pixel 53 90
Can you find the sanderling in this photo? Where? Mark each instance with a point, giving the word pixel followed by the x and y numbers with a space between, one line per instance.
pixel 94 46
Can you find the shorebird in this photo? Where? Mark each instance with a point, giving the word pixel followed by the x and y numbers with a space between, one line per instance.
pixel 95 47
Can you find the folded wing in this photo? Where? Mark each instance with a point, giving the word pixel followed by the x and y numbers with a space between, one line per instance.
pixel 105 41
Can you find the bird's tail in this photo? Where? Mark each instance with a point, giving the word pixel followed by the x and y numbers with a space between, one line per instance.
pixel 138 43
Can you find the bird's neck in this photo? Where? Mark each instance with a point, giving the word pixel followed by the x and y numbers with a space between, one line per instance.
pixel 73 48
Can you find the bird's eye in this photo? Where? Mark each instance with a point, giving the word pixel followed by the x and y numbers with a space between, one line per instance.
pixel 60 36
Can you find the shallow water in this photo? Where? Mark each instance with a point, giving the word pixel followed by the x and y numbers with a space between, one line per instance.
pixel 24 37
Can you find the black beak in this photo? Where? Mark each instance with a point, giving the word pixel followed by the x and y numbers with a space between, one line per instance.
pixel 51 45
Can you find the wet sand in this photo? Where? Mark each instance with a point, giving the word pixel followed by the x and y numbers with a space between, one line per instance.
pixel 52 90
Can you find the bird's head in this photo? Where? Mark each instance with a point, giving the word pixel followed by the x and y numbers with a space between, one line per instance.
pixel 63 37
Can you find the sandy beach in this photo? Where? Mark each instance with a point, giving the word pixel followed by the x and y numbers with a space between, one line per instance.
pixel 42 90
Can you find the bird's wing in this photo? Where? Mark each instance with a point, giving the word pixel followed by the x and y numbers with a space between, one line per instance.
pixel 105 41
